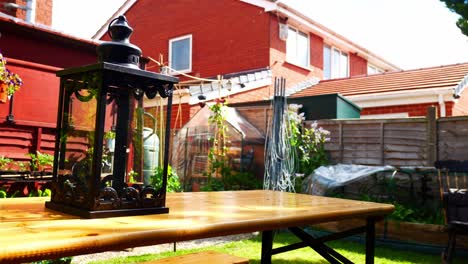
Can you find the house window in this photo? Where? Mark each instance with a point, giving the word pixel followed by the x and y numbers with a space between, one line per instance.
pixel 297 48
pixel 335 63
pixel 371 69
pixel 180 53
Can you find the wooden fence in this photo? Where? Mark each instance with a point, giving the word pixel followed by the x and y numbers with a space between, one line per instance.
pixel 397 142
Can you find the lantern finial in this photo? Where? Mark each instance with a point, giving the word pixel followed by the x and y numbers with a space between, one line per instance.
pixel 119 50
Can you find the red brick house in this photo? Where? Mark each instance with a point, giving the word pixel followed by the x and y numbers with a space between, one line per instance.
pixel 247 42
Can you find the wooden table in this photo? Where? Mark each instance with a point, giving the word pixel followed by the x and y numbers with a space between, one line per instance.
pixel 30 232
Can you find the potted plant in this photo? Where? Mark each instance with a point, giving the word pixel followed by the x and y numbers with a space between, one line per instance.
pixel 109 136
pixel 9 82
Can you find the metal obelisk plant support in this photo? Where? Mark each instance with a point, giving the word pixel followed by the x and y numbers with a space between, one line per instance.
pixel 279 155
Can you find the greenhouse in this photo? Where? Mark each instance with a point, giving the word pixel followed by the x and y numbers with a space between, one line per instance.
pixel 192 145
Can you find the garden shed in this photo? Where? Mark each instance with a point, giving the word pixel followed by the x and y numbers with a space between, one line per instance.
pixel 327 106
pixel 192 144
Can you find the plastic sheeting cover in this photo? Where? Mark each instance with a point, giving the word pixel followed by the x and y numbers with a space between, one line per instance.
pixel 328 177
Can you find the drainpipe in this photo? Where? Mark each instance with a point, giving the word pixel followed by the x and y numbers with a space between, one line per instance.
pixel 441 105
pixel 31 11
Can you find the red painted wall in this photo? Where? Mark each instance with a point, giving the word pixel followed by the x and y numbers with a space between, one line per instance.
pixel 36 101
pixel 29 44
pixel 36 54
pixel 227 36
pixel 357 65
pixel 34 112
pixel 413 109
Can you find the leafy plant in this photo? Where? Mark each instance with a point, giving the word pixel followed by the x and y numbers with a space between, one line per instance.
pixel 241 181
pixel 109 135
pixel 217 155
pixel 308 141
pixel 40 160
pixel 21 166
pixel 131 176
pixel 5 194
pixel 40 193
pixel 173 182
pixel 5 163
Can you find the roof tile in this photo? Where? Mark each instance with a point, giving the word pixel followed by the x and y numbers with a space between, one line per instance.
pixel 426 78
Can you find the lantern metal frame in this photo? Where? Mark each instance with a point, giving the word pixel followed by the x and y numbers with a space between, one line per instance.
pixel 123 83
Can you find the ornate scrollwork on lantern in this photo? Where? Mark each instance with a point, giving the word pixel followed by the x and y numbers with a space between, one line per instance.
pixel 165 90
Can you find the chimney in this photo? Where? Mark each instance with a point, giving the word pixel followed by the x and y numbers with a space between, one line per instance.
pixel 32 11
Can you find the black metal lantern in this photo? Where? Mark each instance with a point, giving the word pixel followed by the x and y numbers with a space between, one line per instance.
pixel 96 103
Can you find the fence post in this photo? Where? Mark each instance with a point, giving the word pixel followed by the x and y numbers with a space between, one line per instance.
pixel 382 143
pixel 431 142
pixel 38 140
pixel 341 142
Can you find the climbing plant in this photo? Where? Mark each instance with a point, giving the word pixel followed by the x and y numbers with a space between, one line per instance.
pixel 217 154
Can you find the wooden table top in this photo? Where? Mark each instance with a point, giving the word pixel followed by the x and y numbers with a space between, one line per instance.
pixel 29 231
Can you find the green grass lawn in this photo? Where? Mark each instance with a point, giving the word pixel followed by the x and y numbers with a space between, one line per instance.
pixel 251 249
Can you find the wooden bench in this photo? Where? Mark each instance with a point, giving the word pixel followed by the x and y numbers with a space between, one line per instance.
pixel 206 257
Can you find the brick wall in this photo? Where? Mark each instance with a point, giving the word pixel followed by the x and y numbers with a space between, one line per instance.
pixel 412 110
pixel 293 73
pixel 461 106
pixel 180 114
pixel 227 36
pixel 357 65
pixel 316 51
pixel 257 116
pixel 43 10
pixel 13 12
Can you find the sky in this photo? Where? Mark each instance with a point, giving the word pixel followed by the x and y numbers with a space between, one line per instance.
pixel 408 33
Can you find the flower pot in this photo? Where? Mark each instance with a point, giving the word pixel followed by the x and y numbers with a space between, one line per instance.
pixel 3 92
pixel 111 144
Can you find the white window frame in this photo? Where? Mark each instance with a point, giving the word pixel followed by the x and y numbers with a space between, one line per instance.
pixel 297 43
pixel 332 73
pixel 189 69
pixel 376 69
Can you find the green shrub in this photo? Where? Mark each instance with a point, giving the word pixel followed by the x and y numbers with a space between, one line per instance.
pixel 40 193
pixel 40 160
pixel 308 142
pixel 5 163
pixel 173 183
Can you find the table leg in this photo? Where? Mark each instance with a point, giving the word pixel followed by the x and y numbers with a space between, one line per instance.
pixel 267 246
pixel 370 240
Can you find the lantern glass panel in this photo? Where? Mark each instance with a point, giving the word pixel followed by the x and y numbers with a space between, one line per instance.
pixel 135 159
pixel 77 140
pixel 108 149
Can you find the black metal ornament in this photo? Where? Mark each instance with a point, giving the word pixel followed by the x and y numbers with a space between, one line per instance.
pixel 95 99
